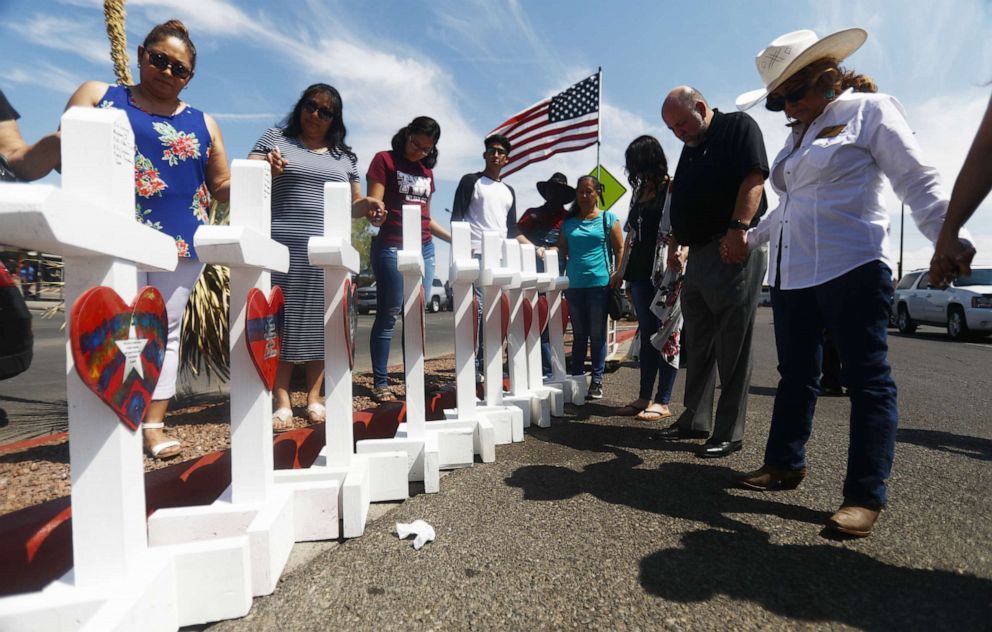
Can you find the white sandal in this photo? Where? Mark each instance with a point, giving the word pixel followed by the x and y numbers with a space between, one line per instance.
pixel 282 419
pixel 317 410
pixel 160 447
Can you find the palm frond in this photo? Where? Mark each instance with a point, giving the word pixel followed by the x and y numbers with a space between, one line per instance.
pixel 205 341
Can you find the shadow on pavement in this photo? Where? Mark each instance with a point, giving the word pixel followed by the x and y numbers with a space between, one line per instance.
pixel 829 583
pixel 679 490
pixel 972 447
pixel 820 583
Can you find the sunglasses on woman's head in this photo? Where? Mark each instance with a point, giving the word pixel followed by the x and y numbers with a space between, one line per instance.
pixel 325 114
pixel 162 62
pixel 776 102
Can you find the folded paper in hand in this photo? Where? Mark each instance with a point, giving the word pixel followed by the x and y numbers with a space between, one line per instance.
pixel 423 531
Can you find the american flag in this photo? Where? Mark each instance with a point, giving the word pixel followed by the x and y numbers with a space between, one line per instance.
pixel 568 121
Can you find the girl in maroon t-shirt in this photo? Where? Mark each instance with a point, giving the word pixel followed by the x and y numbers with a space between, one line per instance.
pixel 400 176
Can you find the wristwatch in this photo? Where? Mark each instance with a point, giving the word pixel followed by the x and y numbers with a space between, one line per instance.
pixel 736 224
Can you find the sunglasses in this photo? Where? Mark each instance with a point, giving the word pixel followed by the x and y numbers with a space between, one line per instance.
pixel 162 62
pixel 776 102
pixel 419 149
pixel 325 114
pixel 497 151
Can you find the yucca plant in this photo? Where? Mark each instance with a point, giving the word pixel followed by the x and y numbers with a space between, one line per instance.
pixel 205 341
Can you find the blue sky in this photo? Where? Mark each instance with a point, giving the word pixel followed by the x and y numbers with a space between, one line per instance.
pixel 472 63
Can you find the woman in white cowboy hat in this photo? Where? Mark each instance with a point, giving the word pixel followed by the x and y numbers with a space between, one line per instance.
pixel 829 263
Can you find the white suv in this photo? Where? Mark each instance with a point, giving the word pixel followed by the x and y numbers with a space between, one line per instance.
pixel 436 299
pixel 964 307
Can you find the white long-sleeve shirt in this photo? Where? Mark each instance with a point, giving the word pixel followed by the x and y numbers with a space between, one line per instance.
pixel 830 218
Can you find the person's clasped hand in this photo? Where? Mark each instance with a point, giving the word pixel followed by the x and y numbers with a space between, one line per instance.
pixel 616 279
pixel 276 161
pixel 951 258
pixel 733 247
pixel 376 212
pixel 676 259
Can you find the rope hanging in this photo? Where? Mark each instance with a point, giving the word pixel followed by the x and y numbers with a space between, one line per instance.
pixel 114 14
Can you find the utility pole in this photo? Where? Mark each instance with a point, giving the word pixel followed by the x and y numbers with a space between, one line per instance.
pixel 902 234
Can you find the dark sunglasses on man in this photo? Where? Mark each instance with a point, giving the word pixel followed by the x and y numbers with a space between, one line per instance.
pixel 162 61
pixel 324 114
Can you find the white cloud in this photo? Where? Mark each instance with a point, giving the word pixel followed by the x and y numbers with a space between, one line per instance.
pixel 249 116
pixel 65 35
pixel 45 75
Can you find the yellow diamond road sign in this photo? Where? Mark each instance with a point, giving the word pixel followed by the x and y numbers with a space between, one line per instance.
pixel 612 189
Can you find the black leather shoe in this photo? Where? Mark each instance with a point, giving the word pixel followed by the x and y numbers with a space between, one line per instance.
pixel 676 432
pixel 718 449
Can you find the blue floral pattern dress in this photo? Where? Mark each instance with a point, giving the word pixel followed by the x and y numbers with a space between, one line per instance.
pixel 170 168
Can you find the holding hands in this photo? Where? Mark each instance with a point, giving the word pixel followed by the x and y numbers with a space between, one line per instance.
pixel 952 257
pixel 733 247
pixel 371 208
pixel 677 256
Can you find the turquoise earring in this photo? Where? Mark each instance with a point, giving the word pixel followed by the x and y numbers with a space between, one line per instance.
pixel 830 96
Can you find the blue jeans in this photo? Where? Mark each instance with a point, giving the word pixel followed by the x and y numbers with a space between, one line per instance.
pixel 389 303
pixel 587 311
pixel 652 365
pixel 854 308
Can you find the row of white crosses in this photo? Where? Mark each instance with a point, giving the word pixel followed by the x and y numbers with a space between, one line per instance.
pixel 118 580
pixel 190 565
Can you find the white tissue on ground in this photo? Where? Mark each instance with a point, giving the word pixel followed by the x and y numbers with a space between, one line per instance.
pixel 423 531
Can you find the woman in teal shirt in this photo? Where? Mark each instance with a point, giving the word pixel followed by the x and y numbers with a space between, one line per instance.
pixel 583 242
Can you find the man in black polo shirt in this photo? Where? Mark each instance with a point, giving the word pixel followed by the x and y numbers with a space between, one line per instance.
pixel 717 194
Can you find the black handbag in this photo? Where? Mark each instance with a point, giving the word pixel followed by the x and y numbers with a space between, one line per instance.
pixel 614 300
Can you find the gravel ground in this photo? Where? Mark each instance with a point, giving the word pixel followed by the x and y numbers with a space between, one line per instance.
pixel 34 475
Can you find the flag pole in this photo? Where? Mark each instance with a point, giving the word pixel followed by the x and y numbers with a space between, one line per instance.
pixel 599 128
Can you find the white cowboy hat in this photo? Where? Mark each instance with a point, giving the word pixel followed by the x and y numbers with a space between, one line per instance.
pixel 790 53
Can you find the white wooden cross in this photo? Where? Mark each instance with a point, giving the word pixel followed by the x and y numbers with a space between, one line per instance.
pixel 463 273
pixel 508 421
pixel 252 504
pixel 117 581
pixel 573 387
pixel 535 373
pixel 427 451
pixel 361 479
pixel 537 409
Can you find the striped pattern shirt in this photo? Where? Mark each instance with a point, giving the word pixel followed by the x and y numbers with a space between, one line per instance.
pixel 297 215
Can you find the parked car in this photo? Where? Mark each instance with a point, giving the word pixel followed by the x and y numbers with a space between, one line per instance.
pixel 437 298
pixel 964 307
pixel 365 299
pixel 433 302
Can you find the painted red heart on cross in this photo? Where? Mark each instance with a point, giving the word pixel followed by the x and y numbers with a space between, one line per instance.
pixel 263 328
pixel 118 349
pixel 347 304
pixel 564 314
pixel 542 313
pixel 423 324
pixel 475 320
pixel 528 310
pixel 504 310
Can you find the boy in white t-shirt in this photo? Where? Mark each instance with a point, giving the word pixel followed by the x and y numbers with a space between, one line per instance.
pixel 486 203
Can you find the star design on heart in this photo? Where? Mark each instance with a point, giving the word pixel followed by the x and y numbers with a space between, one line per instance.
pixel 131 349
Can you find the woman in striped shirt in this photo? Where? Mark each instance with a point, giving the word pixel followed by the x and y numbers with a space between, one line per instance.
pixel 306 150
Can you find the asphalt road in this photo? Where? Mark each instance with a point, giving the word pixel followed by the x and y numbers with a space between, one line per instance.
pixel 591 525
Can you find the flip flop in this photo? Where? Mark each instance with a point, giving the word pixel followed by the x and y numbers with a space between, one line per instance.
pixel 316 412
pixel 156 450
pixel 282 420
pixel 383 395
pixel 628 411
pixel 653 415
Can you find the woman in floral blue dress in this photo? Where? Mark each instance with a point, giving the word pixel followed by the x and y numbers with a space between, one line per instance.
pixel 179 166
